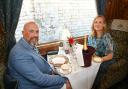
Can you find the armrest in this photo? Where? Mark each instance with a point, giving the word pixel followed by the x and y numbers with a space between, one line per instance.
pixel 118 64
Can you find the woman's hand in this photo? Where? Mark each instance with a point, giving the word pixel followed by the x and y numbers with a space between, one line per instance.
pixel 97 59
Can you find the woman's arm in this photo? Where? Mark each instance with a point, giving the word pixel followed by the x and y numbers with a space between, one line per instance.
pixel 109 45
pixel 107 57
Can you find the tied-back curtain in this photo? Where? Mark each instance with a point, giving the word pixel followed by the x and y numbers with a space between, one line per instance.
pixel 101 4
pixel 9 15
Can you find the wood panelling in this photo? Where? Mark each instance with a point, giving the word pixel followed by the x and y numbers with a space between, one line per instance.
pixel 112 9
pixel 124 10
pixel 116 9
pixel 44 48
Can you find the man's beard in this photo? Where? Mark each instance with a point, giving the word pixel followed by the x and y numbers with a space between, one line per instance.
pixel 34 41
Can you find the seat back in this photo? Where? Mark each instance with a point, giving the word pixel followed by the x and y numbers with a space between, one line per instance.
pixel 9 83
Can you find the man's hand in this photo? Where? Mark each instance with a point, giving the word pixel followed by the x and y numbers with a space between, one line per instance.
pixel 68 85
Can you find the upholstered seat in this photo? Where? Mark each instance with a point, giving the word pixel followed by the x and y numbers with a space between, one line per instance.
pixel 9 83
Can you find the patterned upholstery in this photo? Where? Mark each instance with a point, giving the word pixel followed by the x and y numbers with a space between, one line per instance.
pixel 121 42
pixel 2 55
pixel 2 48
pixel 117 71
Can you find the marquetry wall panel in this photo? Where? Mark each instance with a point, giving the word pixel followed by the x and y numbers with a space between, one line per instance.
pixel 124 9
pixel 116 9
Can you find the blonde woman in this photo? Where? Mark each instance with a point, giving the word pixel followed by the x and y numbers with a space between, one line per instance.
pixel 103 44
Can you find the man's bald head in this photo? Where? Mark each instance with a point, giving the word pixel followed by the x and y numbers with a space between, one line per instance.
pixel 29 24
pixel 31 33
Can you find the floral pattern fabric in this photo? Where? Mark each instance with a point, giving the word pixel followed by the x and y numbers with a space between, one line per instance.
pixel 103 45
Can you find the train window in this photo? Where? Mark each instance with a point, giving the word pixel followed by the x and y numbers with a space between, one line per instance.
pixel 58 19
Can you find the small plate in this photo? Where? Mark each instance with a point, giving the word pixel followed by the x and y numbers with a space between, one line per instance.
pixel 58 60
pixel 65 72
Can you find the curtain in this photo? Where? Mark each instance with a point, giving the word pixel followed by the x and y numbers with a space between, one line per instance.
pixel 9 15
pixel 101 4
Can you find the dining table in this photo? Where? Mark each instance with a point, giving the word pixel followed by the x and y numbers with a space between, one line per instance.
pixel 79 76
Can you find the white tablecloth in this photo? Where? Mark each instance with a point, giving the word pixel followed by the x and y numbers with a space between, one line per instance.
pixel 84 77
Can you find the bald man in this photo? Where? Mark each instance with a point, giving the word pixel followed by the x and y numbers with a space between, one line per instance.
pixel 28 67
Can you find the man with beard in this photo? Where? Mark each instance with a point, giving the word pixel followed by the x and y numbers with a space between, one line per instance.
pixel 28 67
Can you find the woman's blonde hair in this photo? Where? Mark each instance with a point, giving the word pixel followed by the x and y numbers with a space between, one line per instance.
pixel 104 29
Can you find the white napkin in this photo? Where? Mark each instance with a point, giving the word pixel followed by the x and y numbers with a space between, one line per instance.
pixel 79 54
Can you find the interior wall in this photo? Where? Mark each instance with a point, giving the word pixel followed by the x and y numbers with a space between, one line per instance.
pixel 116 9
